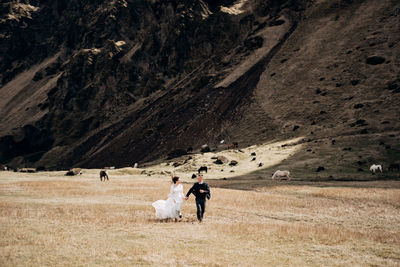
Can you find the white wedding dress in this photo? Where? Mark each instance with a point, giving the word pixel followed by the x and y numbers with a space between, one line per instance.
pixel 171 207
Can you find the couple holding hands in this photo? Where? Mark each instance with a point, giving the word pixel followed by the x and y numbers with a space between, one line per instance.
pixel 171 208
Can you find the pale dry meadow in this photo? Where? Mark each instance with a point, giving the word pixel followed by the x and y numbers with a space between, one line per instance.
pixel 48 219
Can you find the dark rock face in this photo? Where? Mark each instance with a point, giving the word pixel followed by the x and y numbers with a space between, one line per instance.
pixel 394 86
pixel 277 22
pixel 218 161
pixel 361 122
pixel 29 142
pixel 357 106
pixel 221 160
pixel 233 163
pixel 109 83
pixel 122 63
pixel 375 60
pixel 205 149
pixel 176 153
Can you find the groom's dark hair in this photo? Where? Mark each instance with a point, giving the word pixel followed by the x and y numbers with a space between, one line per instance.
pixel 175 179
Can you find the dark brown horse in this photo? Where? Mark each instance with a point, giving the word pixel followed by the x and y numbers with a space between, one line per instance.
pixel 202 168
pixel 103 175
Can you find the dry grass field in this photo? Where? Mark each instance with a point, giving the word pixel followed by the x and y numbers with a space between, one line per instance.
pixel 47 219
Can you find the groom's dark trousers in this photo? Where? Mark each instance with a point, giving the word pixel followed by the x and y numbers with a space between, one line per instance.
pixel 201 208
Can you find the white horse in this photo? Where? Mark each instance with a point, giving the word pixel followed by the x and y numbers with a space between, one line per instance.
pixel 374 168
pixel 281 174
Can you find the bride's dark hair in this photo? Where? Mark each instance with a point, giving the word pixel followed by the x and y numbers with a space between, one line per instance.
pixel 175 179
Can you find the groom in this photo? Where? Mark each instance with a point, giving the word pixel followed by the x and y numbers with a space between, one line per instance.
pixel 201 191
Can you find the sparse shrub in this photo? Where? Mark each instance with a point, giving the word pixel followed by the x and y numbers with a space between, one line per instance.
pixel 357 106
pixel 320 168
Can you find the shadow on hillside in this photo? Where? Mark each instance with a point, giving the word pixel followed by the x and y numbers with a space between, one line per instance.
pixel 247 184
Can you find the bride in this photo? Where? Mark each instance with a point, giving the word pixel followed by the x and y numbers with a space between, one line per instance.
pixel 171 208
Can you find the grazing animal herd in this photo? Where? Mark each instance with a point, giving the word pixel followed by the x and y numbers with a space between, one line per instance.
pixel 277 175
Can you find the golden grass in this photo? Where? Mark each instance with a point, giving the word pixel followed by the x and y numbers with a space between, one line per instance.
pixel 47 220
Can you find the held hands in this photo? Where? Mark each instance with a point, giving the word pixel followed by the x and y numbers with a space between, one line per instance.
pixel 186 198
pixel 201 191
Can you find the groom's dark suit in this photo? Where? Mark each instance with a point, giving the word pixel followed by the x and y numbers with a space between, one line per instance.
pixel 200 197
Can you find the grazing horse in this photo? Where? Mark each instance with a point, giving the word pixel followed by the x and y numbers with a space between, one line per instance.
pixel 103 174
pixel 279 174
pixel 374 168
pixel 202 168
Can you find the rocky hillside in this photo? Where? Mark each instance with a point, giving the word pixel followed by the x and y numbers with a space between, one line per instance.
pixel 97 83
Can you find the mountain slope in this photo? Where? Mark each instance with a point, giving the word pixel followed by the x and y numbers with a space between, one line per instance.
pixel 128 81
